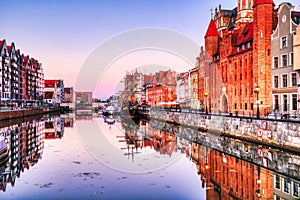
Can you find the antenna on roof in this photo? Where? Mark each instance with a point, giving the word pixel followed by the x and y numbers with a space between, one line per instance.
pixel 211 13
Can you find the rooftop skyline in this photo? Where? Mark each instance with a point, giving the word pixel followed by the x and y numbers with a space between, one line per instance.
pixel 62 34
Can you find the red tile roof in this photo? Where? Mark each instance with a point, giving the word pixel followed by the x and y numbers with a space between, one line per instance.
pixel 8 48
pixel 147 78
pixel 243 39
pixel 259 2
pixel 246 36
pixel 211 30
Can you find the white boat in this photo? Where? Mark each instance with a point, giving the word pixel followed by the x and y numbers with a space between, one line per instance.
pixel 109 110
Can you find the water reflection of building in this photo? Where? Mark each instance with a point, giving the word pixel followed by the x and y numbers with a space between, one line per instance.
pixel 228 177
pixel 25 143
pixel 164 142
pixel 54 127
pixel 69 122
pixel 83 102
pixel 139 134
pixel 285 187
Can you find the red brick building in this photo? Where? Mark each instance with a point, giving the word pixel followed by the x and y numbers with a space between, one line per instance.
pixel 238 42
pixel 227 177
pixel 163 88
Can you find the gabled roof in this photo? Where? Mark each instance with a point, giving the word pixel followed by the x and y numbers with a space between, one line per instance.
pixel 246 36
pixel 211 30
pixel 259 2
pixel 129 76
pixel 2 43
pixel 147 78
pixel 231 24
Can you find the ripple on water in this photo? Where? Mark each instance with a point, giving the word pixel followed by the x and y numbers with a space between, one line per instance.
pixel 46 185
pixel 86 175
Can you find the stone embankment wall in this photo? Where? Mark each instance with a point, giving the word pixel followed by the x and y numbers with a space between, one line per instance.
pixel 12 114
pixel 273 132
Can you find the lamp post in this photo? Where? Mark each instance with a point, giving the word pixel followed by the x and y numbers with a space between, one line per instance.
pixel 206 96
pixel 257 88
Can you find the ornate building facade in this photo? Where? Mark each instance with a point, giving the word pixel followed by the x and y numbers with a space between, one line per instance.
pixel 285 77
pixel 238 42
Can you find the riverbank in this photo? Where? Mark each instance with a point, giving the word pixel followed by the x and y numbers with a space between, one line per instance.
pixel 274 133
pixel 14 114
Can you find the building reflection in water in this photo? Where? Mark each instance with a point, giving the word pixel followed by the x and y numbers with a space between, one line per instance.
pixel 139 134
pixel 22 145
pixel 234 169
pixel 226 176
pixel 227 168
pixel 54 127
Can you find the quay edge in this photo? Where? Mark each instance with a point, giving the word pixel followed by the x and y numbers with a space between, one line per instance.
pixel 278 134
pixel 13 114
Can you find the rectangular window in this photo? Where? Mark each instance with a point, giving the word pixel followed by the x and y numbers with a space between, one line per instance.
pixel 246 106
pixel 276 102
pixel 284 80
pixel 284 43
pixel 277 182
pixel 292 58
pixel 276 197
pixel 294 79
pixel 296 189
pixel 284 60
pixel 295 101
pixel 275 62
pixel 285 103
pixel 276 83
pixel 287 186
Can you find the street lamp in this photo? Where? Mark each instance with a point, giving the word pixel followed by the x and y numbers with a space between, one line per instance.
pixel 257 88
pixel 206 96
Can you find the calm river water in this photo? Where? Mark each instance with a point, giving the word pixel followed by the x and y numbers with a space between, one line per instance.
pixel 92 157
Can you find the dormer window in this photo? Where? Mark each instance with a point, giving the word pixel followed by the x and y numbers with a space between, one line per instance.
pixel 238 49
pixel 243 47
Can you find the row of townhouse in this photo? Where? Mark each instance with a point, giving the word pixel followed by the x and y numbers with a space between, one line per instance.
pixel 21 77
pixel 285 72
pixel 154 88
pixel 250 63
